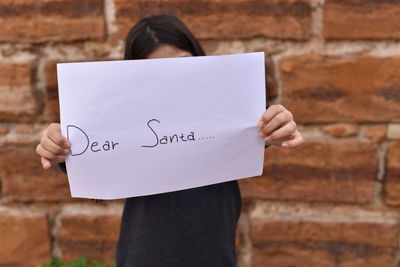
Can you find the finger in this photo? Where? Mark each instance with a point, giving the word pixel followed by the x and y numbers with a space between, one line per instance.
pixel 285 131
pixel 295 142
pixel 280 141
pixel 47 154
pixel 45 163
pixel 54 133
pixel 49 145
pixel 269 114
pixel 278 121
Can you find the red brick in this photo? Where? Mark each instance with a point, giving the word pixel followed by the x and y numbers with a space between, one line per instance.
pixel 327 171
pixel 17 96
pixel 341 130
pixel 392 178
pixel 51 20
pixel 16 73
pixel 4 129
pixel 376 133
pixel 359 19
pixel 382 257
pixel 24 179
pixel 52 109
pixel 213 19
pixel 271 80
pixel 24 240
pixel 301 230
pixel 304 237
pixel 349 89
pixel 277 255
pixel 94 236
pixel 318 255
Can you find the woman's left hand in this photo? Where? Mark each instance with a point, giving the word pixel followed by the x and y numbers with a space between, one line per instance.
pixel 278 128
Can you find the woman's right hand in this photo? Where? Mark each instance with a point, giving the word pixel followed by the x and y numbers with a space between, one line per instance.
pixel 53 146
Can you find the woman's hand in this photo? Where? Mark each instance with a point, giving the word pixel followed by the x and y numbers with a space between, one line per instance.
pixel 53 146
pixel 278 128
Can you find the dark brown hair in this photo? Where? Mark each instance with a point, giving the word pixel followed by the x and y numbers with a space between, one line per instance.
pixel 148 33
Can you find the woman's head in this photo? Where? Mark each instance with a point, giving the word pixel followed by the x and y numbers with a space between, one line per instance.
pixel 161 34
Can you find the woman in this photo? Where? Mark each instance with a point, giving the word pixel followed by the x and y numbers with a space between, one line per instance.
pixel 194 227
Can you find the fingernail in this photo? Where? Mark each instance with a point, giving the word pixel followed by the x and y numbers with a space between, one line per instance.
pixel 46 165
pixel 285 145
pixel 66 151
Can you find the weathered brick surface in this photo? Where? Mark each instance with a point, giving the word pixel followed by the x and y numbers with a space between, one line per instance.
pixel 213 19
pixel 25 240
pixel 392 178
pixel 358 19
pixel 52 109
pixel 51 20
pixel 24 179
pixel 280 230
pixel 4 129
pixel 317 255
pixel 330 171
pixel 348 89
pixel 92 235
pixel 270 80
pixel 319 238
pixel 341 130
pixel 16 90
pixel 376 132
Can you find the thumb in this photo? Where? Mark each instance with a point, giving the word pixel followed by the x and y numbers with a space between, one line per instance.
pixel 45 163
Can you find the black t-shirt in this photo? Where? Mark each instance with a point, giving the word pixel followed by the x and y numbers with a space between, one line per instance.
pixel 193 227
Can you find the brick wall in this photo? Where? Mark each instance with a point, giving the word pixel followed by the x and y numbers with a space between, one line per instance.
pixel 335 64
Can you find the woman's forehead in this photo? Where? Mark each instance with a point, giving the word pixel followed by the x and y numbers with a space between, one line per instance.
pixel 167 50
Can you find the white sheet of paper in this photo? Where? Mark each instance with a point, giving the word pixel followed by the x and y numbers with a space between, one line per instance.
pixel 141 127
